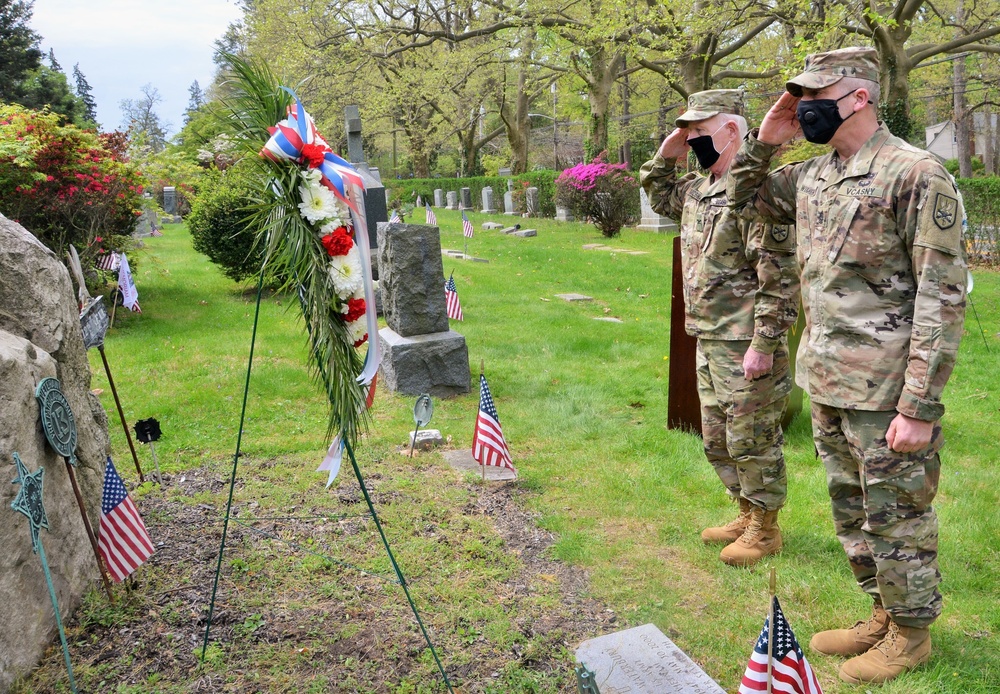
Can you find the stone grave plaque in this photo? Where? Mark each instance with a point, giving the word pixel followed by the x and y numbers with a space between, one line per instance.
pixel 652 220
pixel 438 197
pixel 452 200
pixel 574 297
pixel 491 225
pixel 525 233
pixel 504 171
pixel 170 199
pixel 531 198
pixel 510 230
pixel 466 199
pixel 488 201
pixel 563 214
pixel 508 203
pixel 463 461
pixel 643 661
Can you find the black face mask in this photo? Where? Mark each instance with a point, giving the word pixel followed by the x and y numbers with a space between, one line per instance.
pixel 820 118
pixel 704 148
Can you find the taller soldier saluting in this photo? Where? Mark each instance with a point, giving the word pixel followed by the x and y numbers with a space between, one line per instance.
pixel 741 294
pixel 879 237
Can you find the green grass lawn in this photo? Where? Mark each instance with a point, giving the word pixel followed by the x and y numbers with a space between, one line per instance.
pixel 583 405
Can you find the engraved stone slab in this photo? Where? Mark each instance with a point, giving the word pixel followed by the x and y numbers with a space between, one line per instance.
pixel 452 197
pixel 466 199
pixel 652 220
pixel 491 225
pixel 643 661
pixel 463 461
pixel 574 297
pixel 526 233
pixel 510 230
pixel 437 363
pixel 427 439
pixel 488 201
pixel 563 214
pixel 438 197
pixel 531 201
pixel 508 203
pixel 609 319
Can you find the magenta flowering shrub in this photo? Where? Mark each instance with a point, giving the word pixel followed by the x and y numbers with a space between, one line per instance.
pixel 606 194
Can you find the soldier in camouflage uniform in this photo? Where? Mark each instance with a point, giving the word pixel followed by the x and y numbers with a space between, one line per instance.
pixel 879 226
pixel 741 296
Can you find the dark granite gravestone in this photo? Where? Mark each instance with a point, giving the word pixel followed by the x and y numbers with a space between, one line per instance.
pixel 375 208
pixel 466 199
pixel 169 199
pixel 421 354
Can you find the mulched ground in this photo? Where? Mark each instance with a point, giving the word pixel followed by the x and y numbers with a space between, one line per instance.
pixel 290 617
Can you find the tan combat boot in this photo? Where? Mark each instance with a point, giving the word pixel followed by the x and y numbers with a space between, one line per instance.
pixel 902 649
pixel 856 640
pixel 761 538
pixel 731 531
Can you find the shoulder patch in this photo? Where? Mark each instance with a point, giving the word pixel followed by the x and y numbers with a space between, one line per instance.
pixel 779 233
pixel 945 211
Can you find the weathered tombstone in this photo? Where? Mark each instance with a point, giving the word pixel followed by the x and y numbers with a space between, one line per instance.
pixel 525 233
pixel 642 660
pixel 452 200
pixel 376 207
pixel 466 199
pixel 651 220
pixel 40 337
pixel 510 184
pixel 504 171
pixel 388 195
pixel 563 214
pixel 488 201
pixel 531 201
pixel 438 197
pixel 508 203
pixel 421 354
pixel 169 199
pixel 491 225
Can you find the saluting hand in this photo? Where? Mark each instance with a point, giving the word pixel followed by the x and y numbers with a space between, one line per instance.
pixel 909 435
pixel 781 124
pixel 675 144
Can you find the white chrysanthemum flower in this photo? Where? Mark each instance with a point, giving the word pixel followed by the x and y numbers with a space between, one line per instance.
pixel 358 329
pixel 318 203
pixel 331 225
pixel 345 273
pixel 311 176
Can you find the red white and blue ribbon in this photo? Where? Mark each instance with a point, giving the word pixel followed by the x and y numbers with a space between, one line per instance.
pixel 295 139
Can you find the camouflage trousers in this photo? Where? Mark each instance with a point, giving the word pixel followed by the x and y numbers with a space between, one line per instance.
pixel 882 510
pixel 741 421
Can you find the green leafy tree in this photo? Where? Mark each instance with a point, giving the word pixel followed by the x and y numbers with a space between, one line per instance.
pixel 85 93
pixel 43 88
pixel 19 53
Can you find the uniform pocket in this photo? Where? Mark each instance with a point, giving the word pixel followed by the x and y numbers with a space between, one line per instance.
pixel 861 240
pixel 723 242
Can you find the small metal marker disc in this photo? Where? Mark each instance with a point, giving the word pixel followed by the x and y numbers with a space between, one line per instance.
pixel 57 418
pixel 423 409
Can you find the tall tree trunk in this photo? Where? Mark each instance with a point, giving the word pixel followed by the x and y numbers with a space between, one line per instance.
pixel 961 117
pixel 895 76
pixel 603 74
pixel 989 151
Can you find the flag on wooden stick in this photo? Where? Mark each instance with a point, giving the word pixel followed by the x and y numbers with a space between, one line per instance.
pixel 451 298
pixel 130 295
pixel 122 538
pixel 431 217
pixel 394 219
pixel 488 444
pixel 789 672
pixel 466 226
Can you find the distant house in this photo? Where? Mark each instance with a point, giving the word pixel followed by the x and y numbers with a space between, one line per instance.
pixel 941 140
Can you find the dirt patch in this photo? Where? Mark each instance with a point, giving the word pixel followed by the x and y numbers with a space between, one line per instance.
pixel 307 600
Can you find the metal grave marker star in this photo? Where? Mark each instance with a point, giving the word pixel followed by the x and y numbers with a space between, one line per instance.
pixel 29 502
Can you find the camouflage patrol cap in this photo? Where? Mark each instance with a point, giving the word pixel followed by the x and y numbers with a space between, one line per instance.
pixel 702 105
pixel 824 69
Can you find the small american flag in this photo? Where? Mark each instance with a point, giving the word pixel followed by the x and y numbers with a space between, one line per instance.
pixel 431 217
pixel 394 219
pixel 466 226
pixel 126 284
pixel 488 444
pixel 155 232
pixel 108 261
pixel 790 671
pixel 451 298
pixel 123 541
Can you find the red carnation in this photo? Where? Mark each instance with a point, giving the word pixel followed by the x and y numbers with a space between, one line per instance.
pixel 312 154
pixel 355 309
pixel 339 242
pixel 361 341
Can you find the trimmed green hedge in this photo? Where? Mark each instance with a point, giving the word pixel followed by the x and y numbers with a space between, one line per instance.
pixel 405 190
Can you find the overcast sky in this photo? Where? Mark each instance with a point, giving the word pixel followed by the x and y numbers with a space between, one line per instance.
pixel 122 45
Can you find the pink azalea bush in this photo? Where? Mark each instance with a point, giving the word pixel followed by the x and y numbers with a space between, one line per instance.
pixel 606 194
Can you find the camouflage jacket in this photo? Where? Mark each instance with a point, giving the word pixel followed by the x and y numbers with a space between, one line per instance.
pixel 883 268
pixel 740 278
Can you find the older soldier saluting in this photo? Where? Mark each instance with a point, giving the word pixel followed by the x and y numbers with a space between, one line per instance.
pixel 731 266
pixel 879 226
